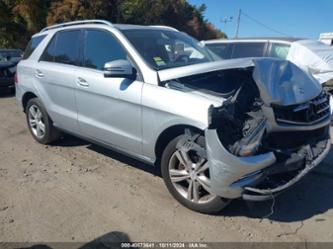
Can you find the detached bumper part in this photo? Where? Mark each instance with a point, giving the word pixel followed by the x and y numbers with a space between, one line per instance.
pixel 233 177
pixel 315 155
pixel 226 168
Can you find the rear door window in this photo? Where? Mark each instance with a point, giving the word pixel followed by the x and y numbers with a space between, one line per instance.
pixel 32 45
pixel 64 48
pixel 248 49
pixel 221 49
pixel 279 50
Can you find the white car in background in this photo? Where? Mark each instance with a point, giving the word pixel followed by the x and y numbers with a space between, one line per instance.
pixel 310 55
pixel 327 38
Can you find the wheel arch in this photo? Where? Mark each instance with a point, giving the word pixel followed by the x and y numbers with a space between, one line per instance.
pixel 26 97
pixel 170 133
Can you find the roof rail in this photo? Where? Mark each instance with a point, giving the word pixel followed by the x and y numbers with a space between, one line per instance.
pixel 163 26
pixel 66 24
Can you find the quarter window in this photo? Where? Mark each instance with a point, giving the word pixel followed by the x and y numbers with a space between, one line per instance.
pixel 279 50
pixel 101 47
pixel 64 48
pixel 244 49
pixel 32 45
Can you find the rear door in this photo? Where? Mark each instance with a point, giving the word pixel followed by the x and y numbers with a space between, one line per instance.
pixel 109 109
pixel 55 72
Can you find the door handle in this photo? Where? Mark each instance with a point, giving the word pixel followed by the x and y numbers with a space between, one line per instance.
pixel 39 74
pixel 82 82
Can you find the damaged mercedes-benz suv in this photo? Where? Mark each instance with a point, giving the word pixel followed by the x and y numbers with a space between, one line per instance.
pixel 219 130
pixel 271 129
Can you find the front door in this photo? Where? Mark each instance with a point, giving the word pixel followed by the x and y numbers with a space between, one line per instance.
pixel 109 109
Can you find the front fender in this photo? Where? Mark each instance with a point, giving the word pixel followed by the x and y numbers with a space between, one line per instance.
pixel 225 168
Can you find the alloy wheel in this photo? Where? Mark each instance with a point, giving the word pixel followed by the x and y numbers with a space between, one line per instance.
pixel 189 174
pixel 36 121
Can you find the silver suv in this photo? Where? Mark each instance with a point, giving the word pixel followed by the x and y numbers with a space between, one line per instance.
pixel 219 130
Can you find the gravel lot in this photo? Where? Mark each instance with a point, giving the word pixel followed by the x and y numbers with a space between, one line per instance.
pixel 76 191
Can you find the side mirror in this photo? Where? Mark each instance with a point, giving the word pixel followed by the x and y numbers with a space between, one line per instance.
pixel 119 69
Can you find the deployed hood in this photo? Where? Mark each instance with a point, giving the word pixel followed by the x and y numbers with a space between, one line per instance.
pixel 279 82
pixel 283 83
pixel 180 72
pixel 314 57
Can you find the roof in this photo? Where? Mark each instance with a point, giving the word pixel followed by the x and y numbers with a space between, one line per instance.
pixel 132 26
pixel 107 23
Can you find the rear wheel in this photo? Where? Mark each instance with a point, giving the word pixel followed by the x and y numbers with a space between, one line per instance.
pixel 39 123
pixel 186 175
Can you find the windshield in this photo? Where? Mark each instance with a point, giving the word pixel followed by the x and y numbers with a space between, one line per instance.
pixel 167 49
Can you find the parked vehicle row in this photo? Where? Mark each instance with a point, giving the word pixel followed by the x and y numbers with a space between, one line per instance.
pixel 8 61
pixel 218 129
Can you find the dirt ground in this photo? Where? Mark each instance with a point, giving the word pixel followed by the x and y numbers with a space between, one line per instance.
pixel 76 191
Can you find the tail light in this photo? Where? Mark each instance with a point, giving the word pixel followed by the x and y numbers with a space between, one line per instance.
pixel 16 78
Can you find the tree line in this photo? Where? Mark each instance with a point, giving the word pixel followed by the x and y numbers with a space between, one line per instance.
pixel 19 19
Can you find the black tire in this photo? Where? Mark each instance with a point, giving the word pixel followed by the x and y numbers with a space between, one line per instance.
pixel 51 133
pixel 213 206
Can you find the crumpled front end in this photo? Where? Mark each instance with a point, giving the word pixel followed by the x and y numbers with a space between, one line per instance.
pixel 260 176
pixel 269 134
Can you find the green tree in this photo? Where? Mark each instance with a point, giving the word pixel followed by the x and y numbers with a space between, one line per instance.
pixel 19 19
pixel 176 13
pixel 10 31
pixel 32 13
pixel 70 10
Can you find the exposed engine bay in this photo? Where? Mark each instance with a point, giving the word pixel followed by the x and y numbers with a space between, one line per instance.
pixel 266 115
pixel 244 121
pixel 240 120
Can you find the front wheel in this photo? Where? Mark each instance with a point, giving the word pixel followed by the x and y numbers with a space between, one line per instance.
pixel 186 175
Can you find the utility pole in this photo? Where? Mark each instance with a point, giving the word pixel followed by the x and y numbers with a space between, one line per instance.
pixel 238 22
pixel 225 20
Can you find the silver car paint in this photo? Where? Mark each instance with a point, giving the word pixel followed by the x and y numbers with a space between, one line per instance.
pixel 128 115
pixel 136 140
pixel 164 108
pixel 58 92
pixel 109 109
pixel 223 176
